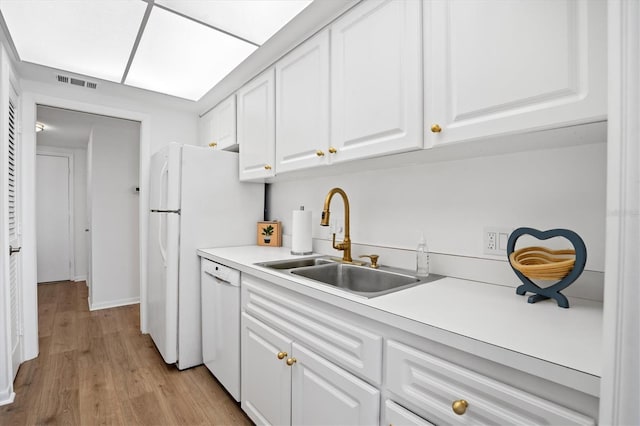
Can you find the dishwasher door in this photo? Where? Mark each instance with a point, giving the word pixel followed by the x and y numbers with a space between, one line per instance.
pixel 221 324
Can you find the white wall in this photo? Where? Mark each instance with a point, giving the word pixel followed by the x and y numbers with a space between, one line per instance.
pixel 114 213
pixel 451 201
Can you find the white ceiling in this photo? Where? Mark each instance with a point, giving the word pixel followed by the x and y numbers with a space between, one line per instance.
pixel 177 47
pixel 65 128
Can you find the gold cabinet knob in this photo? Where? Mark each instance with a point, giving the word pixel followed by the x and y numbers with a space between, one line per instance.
pixel 459 406
pixel 436 128
pixel 282 355
pixel 291 361
pixel 267 167
pixel 332 150
pixel 320 153
pixel 213 144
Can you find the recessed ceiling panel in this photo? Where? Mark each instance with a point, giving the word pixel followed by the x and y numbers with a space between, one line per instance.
pixel 254 20
pixel 90 37
pixel 183 58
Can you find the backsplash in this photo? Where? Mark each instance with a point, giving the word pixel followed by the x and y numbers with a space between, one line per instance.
pixel 452 202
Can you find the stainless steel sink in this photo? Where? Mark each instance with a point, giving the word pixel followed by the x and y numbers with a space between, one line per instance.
pixel 295 263
pixel 361 280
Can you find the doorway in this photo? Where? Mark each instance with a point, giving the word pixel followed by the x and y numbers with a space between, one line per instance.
pixel 54 216
pixel 87 204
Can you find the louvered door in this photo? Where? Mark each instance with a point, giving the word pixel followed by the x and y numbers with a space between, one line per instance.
pixel 14 234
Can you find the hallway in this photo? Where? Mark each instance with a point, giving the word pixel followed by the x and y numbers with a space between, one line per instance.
pixel 97 368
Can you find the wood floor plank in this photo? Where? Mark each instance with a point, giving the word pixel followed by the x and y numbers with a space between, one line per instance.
pixel 96 368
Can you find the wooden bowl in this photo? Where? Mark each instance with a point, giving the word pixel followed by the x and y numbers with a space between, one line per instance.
pixel 541 263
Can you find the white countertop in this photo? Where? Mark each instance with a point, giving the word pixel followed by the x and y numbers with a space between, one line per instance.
pixel 485 313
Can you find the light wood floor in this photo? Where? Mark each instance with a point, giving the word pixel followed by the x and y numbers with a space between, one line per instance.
pixel 96 368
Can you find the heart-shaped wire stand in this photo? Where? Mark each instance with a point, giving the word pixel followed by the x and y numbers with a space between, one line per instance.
pixel 553 291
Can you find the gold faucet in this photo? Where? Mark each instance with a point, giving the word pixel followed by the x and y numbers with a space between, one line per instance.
pixel 345 245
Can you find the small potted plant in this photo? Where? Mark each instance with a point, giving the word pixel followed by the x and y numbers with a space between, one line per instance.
pixel 267 232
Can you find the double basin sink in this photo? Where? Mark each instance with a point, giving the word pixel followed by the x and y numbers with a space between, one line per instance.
pixel 354 278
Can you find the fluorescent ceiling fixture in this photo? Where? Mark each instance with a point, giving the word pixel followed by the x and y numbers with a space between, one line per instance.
pixel 90 37
pixel 183 58
pixel 253 20
pixel 39 127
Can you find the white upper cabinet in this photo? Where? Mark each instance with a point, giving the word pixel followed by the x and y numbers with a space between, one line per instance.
pixel 502 67
pixel 218 126
pixel 205 129
pixel 376 80
pixel 302 106
pixel 256 127
pixel 223 128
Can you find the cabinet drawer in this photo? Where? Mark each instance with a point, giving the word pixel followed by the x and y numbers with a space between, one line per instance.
pixel 429 385
pixel 395 415
pixel 333 336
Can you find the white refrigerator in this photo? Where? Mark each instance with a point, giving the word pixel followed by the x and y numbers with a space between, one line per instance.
pixel 196 201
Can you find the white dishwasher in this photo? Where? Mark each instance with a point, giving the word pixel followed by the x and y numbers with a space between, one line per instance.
pixel 221 324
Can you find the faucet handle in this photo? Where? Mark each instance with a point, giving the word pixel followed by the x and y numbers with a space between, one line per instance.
pixel 374 260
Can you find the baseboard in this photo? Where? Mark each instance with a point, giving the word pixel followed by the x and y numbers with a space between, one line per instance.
pixel 113 303
pixel 7 396
pixel 80 278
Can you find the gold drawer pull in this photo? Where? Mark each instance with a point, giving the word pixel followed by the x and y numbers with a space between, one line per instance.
pixel 460 406
pixel 267 167
pixel 320 153
pixel 281 355
pixel 291 361
pixel 213 144
pixel 332 150
pixel 436 128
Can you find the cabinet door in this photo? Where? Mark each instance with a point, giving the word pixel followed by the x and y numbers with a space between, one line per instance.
pixel 205 130
pixel 324 394
pixel 266 379
pixel 395 415
pixel 500 67
pixel 376 101
pixel 256 127
pixel 224 123
pixel 302 105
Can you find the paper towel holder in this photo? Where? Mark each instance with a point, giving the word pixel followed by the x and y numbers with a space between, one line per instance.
pixel 300 252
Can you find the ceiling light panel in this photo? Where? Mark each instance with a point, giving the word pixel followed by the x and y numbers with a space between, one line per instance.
pixel 183 58
pixel 90 37
pixel 252 20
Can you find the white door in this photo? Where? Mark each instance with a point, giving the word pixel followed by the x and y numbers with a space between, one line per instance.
pixel 223 127
pixel 52 218
pixel 499 67
pixel 325 394
pixel 256 127
pixel 302 105
pixel 266 377
pixel 376 81
pixel 15 283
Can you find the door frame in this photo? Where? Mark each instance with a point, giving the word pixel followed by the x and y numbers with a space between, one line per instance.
pixel 62 152
pixel 30 101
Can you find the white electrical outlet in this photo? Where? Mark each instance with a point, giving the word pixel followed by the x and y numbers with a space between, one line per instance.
pixel 495 240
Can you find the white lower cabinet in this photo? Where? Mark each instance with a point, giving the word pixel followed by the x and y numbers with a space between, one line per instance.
pixel 446 393
pixel 285 383
pixel 308 362
pixel 324 394
pixel 396 415
pixel 266 378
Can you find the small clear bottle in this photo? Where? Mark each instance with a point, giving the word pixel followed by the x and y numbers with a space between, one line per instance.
pixel 422 258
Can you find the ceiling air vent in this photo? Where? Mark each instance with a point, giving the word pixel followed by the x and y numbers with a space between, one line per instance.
pixel 76 81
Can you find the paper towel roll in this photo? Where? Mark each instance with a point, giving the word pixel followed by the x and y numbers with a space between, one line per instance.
pixel 301 232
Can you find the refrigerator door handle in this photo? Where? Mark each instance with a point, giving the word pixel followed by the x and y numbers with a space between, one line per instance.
pixel 162 188
pixel 163 250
